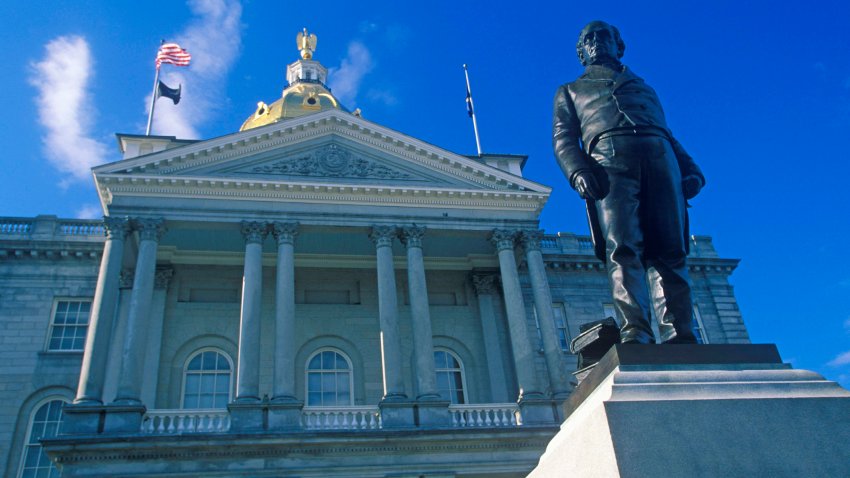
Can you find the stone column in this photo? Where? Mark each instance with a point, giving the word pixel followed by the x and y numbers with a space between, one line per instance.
pixel 84 415
pixel 248 369
pixel 485 288
pixel 246 410
pixel 96 353
pixel 160 290
pixel 285 408
pixel 543 305
pixel 517 320
pixel 126 411
pixel 132 356
pixel 423 341
pixel 284 345
pixel 383 237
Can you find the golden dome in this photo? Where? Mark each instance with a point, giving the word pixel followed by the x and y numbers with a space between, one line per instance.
pixel 306 93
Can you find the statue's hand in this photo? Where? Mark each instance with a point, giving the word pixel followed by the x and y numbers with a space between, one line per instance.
pixel 691 186
pixel 587 186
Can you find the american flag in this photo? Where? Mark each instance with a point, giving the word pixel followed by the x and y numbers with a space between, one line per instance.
pixel 172 53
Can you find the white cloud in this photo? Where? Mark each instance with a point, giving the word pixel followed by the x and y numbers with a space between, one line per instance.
pixel 213 38
pixel 346 78
pixel 89 211
pixel 840 359
pixel 64 110
pixel 382 96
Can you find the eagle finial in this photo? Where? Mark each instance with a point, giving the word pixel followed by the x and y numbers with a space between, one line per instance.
pixel 306 44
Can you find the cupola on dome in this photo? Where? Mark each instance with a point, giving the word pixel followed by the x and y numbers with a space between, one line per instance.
pixel 306 92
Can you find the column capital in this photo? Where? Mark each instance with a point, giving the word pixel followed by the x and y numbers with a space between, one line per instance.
pixel 116 228
pixel 485 284
pixel 284 232
pixel 162 278
pixel 383 236
pixel 531 239
pixel 150 229
pixel 503 239
pixel 254 232
pixel 411 236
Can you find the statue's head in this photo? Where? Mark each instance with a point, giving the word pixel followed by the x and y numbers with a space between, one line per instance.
pixel 598 42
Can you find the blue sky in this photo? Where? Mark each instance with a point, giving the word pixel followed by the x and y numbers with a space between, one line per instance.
pixel 757 92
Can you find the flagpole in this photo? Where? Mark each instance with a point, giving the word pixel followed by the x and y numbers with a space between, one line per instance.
pixel 472 108
pixel 153 96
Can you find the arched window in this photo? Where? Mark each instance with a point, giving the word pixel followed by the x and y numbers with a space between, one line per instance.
pixel 44 424
pixel 206 380
pixel 450 380
pixel 329 379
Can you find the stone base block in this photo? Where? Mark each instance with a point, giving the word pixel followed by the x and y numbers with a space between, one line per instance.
pixel 397 414
pixel 433 414
pixel 123 418
pixel 285 415
pixel 81 419
pixel 537 411
pixel 246 416
pixel 683 410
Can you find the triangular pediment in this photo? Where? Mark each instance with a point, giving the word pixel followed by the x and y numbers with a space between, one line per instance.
pixel 330 145
pixel 329 157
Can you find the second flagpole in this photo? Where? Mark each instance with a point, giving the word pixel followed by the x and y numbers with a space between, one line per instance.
pixel 472 110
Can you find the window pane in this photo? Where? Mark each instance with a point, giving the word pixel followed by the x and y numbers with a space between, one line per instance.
pixel 222 384
pixel 342 382
pixel 195 363
pixel 314 398
pixel 315 363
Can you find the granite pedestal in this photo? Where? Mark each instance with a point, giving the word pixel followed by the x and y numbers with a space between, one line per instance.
pixel 700 410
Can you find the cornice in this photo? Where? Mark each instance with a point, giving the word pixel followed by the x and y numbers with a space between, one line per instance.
pixel 66 250
pixel 228 446
pixel 240 189
pixel 589 263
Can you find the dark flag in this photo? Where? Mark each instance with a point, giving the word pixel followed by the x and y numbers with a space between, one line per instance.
pixel 469 102
pixel 171 93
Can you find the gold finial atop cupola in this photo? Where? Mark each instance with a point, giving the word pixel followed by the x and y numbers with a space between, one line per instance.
pixel 306 44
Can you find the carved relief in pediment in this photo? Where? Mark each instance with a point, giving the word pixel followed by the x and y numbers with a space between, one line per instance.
pixel 330 161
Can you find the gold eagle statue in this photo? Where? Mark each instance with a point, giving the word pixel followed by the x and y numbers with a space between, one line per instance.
pixel 306 43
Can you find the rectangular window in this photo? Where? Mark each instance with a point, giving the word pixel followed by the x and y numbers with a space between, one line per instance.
pixel 560 319
pixel 69 325
pixel 699 330
pixel 561 326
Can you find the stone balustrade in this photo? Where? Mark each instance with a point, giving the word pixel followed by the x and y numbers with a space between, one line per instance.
pixel 176 422
pixel 485 415
pixel 341 418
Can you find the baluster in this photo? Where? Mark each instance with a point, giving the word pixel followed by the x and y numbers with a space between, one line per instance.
pixel 487 421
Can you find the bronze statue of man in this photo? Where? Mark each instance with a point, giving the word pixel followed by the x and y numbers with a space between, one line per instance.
pixel 612 142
